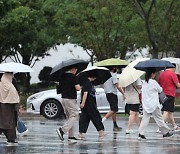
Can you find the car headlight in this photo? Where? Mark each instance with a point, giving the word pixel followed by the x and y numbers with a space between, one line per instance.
pixel 35 96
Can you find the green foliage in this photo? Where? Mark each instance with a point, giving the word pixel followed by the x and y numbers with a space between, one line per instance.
pixel 104 27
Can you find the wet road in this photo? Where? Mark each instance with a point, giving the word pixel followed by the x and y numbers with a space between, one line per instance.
pixel 42 139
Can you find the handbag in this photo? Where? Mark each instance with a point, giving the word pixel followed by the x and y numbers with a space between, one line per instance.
pixel 139 94
pixel 21 126
pixel 162 97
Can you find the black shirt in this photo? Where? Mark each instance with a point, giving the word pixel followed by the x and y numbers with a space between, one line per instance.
pixel 68 83
pixel 91 97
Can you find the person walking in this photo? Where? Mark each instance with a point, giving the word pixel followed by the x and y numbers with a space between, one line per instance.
pixel 132 104
pixel 151 105
pixel 89 111
pixel 9 108
pixel 168 80
pixel 69 87
pixel 110 87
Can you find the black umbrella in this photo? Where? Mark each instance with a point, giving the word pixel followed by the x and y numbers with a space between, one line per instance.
pixel 102 74
pixel 62 67
pixel 158 64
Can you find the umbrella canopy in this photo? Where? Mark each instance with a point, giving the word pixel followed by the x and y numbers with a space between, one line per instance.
pixel 112 62
pixel 102 75
pixel 156 63
pixel 130 74
pixel 59 69
pixel 175 61
pixel 15 67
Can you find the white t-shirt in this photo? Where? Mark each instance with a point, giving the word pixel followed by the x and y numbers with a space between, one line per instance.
pixel 150 96
pixel 109 85
pixel 131 93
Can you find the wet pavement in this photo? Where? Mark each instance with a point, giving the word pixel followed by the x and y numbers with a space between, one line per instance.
pixel 43 139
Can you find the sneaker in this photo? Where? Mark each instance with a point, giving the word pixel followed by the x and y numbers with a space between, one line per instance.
pixel 176 128
pixel 168 134
pixel 72 139
pixel 12 143
pixel 117 128
pixel 158 131
pixel 60 133
pixel 141 137
pixel 129 131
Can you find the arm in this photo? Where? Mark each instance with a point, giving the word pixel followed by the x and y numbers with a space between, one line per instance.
pixel 78 88
pixel 120 90
pixel 178 85
pixel 83 99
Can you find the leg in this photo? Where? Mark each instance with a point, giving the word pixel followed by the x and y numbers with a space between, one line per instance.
pixel 113 102
pixel 159 121
pixel 73 114
pixel 83 122
pixel 95 117
pixel 131 119
pixel 109 114
pixel 144 122
pixel 171 119
pixel 137 120
pixel 10 134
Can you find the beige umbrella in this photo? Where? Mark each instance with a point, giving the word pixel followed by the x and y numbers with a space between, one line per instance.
pixel 130 74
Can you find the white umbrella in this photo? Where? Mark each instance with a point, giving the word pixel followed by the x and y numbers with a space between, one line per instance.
pixel 175 61
pixel 15 67
pixel 130 74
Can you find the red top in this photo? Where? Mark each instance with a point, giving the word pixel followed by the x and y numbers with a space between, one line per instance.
pixel 168 80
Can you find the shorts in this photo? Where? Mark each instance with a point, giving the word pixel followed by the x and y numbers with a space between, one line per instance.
pixel 131 107
pixel 113 101
pixel 168 105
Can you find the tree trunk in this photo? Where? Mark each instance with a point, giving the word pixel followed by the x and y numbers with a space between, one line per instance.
pixel 26 77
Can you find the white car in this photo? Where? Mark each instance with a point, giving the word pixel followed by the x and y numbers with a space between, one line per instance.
pixel 48 103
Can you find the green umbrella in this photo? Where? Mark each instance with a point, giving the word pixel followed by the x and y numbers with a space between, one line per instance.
pixel 112 62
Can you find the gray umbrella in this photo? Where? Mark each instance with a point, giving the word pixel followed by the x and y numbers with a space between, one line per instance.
pixel 62 67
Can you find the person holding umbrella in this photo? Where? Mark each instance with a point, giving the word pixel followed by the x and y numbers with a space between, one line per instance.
pixel 9 107
pixel 110 87
pixel 65 74
pixel 89 111
pixel 151 105
pixel 69 86
pixel 132 104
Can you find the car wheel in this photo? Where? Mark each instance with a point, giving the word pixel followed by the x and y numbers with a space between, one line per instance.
pixel 52 109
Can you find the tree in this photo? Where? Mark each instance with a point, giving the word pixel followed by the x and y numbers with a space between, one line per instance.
pixel 25 33
pixel 161 22
pixel 103 27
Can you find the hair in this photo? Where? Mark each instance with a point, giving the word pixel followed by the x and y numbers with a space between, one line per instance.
pixel 149 72
pixel 1 74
